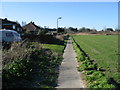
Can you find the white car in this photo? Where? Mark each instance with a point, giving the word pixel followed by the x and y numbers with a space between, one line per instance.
pixel 9 36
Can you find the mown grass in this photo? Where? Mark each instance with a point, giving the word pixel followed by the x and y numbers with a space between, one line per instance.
pixel 56 48
pixel 103 49
pixel 93 74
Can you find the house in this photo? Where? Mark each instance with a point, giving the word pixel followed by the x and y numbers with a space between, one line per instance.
pixel 51 31
pixel 7 24
pixel 31 27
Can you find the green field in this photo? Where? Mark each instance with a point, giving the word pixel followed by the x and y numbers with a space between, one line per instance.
pixel 103 49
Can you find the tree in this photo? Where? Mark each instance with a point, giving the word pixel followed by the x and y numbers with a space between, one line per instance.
pixel 83 29
pixel 73 29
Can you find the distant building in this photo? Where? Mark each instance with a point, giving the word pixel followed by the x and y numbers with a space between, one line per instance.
pixel 31 27
pixel 12 25
pixel 51 31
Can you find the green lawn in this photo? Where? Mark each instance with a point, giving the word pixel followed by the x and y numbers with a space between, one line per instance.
pixel 103 49
pixel 57 48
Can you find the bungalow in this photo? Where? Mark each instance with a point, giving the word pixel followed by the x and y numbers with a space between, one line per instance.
pixel 31 27
pixel 7 24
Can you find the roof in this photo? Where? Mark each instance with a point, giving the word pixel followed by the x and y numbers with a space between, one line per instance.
pixel 31 26
pixel 8 21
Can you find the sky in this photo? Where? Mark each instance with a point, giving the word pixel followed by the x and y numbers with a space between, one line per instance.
pixel 94 15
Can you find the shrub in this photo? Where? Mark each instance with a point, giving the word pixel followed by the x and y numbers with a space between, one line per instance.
pixel 23 66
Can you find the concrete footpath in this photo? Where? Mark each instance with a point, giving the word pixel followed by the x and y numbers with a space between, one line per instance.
pixel 69 77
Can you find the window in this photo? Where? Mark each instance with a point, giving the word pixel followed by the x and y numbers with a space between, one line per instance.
pixel 18 29
pixel 13 26
pixel 16 34
pixel 10 34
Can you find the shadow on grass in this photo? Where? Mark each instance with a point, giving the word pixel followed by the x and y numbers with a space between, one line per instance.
pixel 112 81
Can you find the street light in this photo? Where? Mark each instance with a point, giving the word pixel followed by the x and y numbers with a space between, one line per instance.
pixel 57 22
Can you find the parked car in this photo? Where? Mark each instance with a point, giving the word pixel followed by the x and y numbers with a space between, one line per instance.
pixel 9 36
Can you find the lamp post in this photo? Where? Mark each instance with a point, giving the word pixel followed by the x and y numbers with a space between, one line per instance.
pixel 57 22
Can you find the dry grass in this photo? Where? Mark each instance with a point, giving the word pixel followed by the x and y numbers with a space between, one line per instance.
pixel 17 52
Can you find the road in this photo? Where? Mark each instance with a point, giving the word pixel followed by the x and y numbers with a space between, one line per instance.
pixel 69 77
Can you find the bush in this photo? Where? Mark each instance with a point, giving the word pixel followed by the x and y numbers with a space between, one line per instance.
pixel 18 61
pixel 23 66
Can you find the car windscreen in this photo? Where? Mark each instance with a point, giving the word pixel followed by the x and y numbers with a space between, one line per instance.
pixel 16 34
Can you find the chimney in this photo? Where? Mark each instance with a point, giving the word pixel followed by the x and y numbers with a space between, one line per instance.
pixel 5 19
pixel 33 22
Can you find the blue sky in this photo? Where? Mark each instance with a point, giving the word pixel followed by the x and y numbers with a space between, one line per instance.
pixel 98 15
